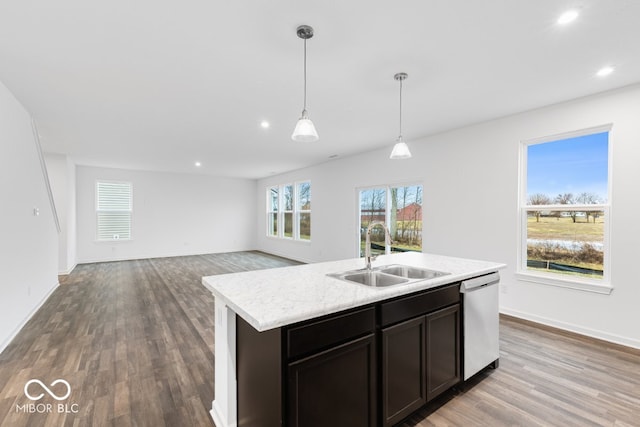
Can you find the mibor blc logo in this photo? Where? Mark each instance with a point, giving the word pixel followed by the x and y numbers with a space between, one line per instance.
pixel 45 388
pixel 35 390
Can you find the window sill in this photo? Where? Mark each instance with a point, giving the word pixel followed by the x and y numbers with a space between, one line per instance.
pixel 113 241
pixel 289 239
pixel 604 288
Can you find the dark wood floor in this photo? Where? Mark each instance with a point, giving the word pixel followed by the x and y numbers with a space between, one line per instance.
pixel 135 341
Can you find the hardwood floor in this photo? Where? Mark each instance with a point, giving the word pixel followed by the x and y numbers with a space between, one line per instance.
pixel 134 339
pixel 546 377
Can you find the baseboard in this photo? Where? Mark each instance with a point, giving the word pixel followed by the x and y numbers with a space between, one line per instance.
pixel 68 271
pixel 287 256
pixel 4 345
pixel 143 257
pixel 616 339
pixel 218 418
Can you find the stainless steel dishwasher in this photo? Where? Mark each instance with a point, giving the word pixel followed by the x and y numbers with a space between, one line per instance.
pixel 480 323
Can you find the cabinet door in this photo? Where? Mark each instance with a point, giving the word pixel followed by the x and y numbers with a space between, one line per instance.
pixel 443 350
pixel 403 369
pixel 335 387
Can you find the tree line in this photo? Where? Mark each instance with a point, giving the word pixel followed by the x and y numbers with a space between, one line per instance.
pixel 567 199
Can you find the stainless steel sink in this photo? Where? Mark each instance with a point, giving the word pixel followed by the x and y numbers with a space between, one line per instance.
pixel 375 279
pixel 387 275
pixel 412 272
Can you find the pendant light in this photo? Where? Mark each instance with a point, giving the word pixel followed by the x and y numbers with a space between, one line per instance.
pixel 400 150
pixel 305 131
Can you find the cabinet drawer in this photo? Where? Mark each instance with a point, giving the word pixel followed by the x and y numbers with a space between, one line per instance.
pixel 318 335
pixel 412 306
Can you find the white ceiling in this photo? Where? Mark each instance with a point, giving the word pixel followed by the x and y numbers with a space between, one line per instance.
pixel 160 84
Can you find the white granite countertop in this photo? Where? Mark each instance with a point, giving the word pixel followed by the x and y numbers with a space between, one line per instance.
pixel 277 297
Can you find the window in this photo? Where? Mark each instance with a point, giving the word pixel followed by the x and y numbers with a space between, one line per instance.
pixel 272 211
pixel 304 211
pixel 564 210
pixel 400 208
pixel 113 210
pixel 289 211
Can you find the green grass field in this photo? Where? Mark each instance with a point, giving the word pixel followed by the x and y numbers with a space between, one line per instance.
pixel 550 228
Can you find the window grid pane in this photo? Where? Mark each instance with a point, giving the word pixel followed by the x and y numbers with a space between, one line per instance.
pixel 373 207
pixel 273 206
pixel 406 218
pixel 287 198
pixel 304 225
pixel 400 208
pixel 566 242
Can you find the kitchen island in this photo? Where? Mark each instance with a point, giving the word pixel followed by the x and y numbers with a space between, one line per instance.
pixel 294 346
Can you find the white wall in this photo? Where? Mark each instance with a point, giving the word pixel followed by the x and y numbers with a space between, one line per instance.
pixel 475 169
pixel 28 246
pixel 62 176
pixel 173 214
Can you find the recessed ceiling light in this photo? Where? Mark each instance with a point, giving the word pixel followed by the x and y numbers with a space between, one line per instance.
pixel 605 71
pixel 264 124
pixel 198 164
pixel 568 17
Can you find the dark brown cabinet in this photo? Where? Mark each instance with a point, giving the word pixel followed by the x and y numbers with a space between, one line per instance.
pixel 443 350
pixel 335 387
pixel 369 367
pixel 420 350
pixel 403 369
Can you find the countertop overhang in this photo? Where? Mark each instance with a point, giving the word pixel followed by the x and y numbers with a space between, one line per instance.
pixel 277 297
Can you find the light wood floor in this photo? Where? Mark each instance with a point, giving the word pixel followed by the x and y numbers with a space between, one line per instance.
pixel 135 341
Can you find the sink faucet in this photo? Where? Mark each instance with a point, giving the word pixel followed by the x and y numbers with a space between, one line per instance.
pixel 367 244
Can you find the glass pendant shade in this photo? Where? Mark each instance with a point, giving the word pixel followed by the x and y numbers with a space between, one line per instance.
pixel 400 150
pixel 305 131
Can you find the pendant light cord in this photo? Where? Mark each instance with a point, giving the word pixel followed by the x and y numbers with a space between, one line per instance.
pixel 400 108
pixel 305 75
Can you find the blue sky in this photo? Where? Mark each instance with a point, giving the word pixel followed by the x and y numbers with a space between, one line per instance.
pixel 573 165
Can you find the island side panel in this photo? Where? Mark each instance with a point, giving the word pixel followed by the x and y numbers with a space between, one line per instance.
pixel 259 373
pixel 224 406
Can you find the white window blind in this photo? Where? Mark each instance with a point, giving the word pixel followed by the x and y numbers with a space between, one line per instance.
pixel 113 210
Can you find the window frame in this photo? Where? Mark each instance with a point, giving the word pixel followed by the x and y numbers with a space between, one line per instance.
pixel 602 286
pixel 98 210
pixel 280 214
pixel 387 216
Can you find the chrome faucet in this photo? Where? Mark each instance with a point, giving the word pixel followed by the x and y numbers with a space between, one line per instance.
pixel 367 244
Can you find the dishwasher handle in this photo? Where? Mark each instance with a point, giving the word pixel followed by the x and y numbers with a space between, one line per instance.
pixel 479 282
